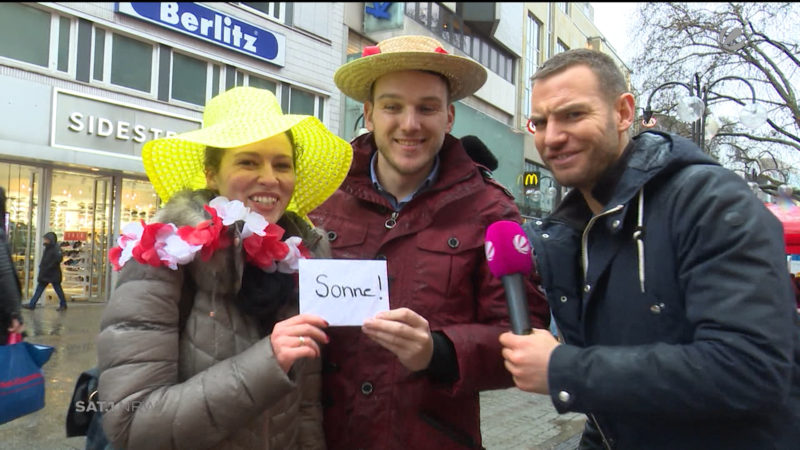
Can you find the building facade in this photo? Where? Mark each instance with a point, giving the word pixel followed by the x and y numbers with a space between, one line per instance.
pixel 84 85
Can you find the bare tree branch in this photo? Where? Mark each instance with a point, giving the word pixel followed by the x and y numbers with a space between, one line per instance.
pixel 689 38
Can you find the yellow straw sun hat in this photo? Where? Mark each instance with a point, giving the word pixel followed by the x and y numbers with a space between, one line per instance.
pixel 399 53
pixel 241 116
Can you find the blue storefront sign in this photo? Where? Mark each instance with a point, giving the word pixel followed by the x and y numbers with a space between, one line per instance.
pixel 381 16
pixel 212 26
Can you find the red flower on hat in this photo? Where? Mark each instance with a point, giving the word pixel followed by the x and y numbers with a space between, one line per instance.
pixel 440 50
pixel 263 251
pixel 370 50
pixel 209 233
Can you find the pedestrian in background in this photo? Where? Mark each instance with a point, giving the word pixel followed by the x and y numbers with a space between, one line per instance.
pixel 10 295
pixel 201 345
pixel 49 272
pixel 410 378
pixel 666 276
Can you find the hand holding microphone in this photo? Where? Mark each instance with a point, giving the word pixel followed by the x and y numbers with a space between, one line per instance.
pixel 508 253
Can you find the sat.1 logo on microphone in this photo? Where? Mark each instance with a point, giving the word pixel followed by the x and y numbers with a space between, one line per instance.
pixel 521 244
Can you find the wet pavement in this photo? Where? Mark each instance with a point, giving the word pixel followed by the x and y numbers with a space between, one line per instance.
pixel 72 333
pixel 510 419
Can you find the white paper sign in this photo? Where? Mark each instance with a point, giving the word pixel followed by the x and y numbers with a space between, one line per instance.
pixel 343 291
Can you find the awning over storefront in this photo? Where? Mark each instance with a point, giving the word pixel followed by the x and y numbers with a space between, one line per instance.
pixel 789 215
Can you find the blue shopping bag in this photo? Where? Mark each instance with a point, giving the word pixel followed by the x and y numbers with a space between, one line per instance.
pixel 22 379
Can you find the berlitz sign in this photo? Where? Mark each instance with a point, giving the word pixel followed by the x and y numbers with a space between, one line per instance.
pixel 212 26
pixel 91 124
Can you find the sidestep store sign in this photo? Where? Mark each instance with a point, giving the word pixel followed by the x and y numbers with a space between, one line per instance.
pixel 95 125
pixel 212 26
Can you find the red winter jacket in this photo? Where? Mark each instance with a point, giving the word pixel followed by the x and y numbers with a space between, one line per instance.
pixel 437 268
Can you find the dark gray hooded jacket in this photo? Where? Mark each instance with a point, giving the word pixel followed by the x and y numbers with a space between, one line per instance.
pixel 675 306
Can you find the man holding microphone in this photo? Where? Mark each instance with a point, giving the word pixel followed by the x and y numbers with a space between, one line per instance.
pixel 666 277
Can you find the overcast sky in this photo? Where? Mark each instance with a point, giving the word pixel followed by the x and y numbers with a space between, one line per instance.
pixel 613 20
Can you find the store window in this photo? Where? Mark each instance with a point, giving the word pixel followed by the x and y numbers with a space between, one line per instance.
pixel 540 189
pixel 22 199
pixel 99 53
pixel 23 24
pixel 64 25
pixel 533 51
pixel 246 79
pixel 451 28
pixel 216 81
pixel 560 47
pixel 273 10
pixel 302 102
pixel 79 214
pixel 189 79
pixel 262 83
pixel 139 201
pixel 131 63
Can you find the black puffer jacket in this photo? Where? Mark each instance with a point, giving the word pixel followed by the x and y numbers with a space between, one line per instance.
pixel 9 290
pixel 686 338
pixel 50 265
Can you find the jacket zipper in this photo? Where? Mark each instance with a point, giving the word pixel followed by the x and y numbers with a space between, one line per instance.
pixel 585 238
pixel 585 267
pixel 391 221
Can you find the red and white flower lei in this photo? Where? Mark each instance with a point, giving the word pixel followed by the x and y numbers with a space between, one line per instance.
pixel 164 244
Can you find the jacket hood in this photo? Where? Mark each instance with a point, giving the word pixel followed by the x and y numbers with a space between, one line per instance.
pixel 653 155
pixel 52 237
pixel 647 157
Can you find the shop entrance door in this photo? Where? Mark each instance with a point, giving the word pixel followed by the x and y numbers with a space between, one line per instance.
pixel 22 197
pixel 80 212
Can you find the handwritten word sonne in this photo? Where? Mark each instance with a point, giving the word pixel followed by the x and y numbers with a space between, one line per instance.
pixel 339 291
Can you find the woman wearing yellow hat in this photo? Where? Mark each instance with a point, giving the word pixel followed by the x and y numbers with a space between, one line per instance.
pixel 200 344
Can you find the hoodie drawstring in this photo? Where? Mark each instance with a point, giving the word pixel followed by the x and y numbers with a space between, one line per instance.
pixel 638 236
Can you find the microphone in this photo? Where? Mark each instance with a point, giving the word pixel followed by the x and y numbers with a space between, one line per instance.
pixel 508 253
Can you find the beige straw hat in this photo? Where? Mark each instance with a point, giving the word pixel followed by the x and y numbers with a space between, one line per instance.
pixel 239 117
pixel 399 53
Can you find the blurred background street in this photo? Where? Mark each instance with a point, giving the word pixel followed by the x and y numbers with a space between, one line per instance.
pixel 511 419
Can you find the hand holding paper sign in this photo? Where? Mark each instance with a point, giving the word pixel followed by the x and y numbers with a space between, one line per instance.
pixel 404 333
pixel 343 291
pixel 298 337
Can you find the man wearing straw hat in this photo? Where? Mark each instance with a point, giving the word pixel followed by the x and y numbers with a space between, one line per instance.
pixel 410 377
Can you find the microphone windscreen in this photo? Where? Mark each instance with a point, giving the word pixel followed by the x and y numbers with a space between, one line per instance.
pixel 507 249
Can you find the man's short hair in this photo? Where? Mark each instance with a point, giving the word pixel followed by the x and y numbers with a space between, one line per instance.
pixel 610 79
